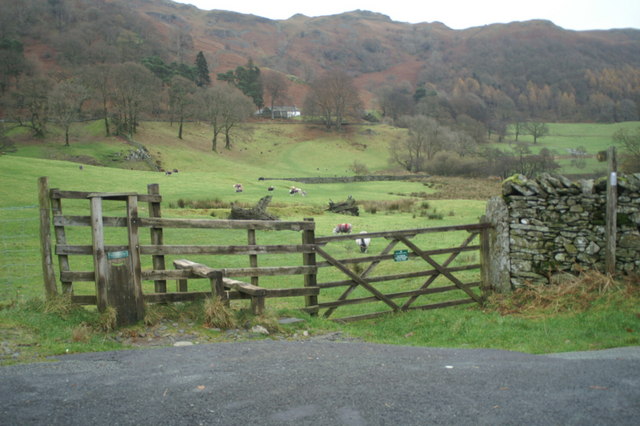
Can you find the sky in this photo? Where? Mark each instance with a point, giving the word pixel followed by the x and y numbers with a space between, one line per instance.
pixel 568 14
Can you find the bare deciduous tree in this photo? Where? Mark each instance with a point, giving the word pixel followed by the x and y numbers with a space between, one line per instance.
pixel 209 105
pixel 134 88
pixel 425 138
pixel 181 94
pixel 536 129
pixel 275 85
pixel 238 108
pixel 30 104
pixel 395 100
pixel 223 106
pixel 99 79
pixel 630 142
pixel 334 97
pixel 65 103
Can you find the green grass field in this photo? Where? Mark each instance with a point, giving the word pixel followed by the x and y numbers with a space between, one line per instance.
pixel 566 136
pixel 271 150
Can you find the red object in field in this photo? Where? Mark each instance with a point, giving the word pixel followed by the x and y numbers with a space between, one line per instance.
pixel 343 228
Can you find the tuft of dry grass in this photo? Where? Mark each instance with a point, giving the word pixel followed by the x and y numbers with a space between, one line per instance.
pixel 81 333
pixel 153 314
pixel 218 315
pixel 108 319
pixel 59 304
pixel 403 205
pixel 567 293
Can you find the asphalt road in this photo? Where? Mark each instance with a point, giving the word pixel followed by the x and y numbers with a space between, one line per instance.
pixel 324 383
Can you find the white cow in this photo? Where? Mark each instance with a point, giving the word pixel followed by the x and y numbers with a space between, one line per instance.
pixel 363 243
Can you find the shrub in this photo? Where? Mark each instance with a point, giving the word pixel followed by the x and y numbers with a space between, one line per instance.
pixel 446 163
pixel 359 168
pixel 216 203
pixel 108 319
pixel 218 315
pixel 568 293
pixel 405 205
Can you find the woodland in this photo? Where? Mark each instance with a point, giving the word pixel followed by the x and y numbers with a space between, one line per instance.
pixel 62 61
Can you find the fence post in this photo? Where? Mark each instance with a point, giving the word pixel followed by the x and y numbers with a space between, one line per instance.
pixel 485 255
pixel 253 258
pixel 48 274
pixel 309 259
pixel 499 255
pixel 217 286
pixel 100 264
pixel 119 285
pixel 157 238
pixel 612 201
pixel 135 290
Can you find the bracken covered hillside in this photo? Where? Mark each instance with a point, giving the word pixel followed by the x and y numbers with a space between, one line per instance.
pixel 534 67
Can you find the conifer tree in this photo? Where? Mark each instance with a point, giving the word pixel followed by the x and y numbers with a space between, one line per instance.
pixel 202 71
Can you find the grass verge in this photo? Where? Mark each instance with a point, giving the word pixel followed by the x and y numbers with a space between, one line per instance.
pixel 588 312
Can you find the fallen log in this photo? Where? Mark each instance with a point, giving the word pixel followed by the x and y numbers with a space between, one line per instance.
pixel 258 212
pixel 346 207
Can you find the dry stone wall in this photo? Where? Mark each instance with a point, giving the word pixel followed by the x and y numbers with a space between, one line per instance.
pixel 551 224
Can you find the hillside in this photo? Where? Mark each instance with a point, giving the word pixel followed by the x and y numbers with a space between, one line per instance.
pixel 534 68
pixel 262 148
pixel 379 51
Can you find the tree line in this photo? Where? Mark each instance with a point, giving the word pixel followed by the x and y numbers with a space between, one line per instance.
pixel 123 94
pixel 440 139
pixel 108 64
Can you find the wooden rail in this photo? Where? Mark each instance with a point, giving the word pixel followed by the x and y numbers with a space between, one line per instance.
pixel 159 249
pixel 412 299
pixel 358 281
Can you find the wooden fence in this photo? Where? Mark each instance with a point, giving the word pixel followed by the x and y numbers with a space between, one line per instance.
pixel 122 268
pixel 419 276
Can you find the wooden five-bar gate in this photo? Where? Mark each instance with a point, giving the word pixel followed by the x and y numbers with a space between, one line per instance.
pixel 327 271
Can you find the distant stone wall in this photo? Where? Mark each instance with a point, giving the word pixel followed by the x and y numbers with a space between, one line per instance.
pixel 348 179
pixel 551 224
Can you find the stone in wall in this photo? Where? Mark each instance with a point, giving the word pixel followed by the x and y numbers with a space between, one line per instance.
pixel 551 224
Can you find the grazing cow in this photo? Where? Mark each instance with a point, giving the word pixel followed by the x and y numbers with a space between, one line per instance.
pixel 363 243
pixel 168 173
pixel 238 187
pixel 343 228
pixel 271 188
